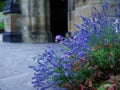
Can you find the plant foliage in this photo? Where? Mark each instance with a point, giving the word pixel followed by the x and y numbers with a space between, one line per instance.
pixel 2 3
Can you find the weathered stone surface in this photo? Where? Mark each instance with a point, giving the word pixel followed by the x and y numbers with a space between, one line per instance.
pixel 113 1
pixel 97 1
pixel 14 61
pixel 12 37
pixel 12 28
pixel 98 7
pixel 111 10
pixel 7 23
pixel 35 20
pixel 15 22
pixel 85 9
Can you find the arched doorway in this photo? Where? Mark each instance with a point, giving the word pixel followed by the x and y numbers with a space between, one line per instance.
pixel 58 17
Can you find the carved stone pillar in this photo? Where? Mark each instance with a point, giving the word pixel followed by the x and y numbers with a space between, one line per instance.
pixel 35 21
pixel 12 15
pixel 44 21
pixel 28 18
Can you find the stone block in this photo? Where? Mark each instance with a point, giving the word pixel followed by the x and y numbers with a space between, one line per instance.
pixel 83 11
pixel 34 20
pixel 25 8
pixel 78 3
pixel 26 21
pixel 113 1
pixel 72 27
pixel 111 10
pixel 7 23
pixel 41 20
pixel 97 6
pixel 97 1
pixel 78 20
pixel 12 22
pixel 12 28
pixel 15 22
pixel 12 37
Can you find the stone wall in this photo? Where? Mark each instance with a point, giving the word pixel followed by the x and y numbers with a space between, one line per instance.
pixel 84 8
pixel 36 16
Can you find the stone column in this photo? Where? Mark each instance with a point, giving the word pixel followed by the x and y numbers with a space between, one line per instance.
pixel 34 33
pixel 12 22
pixel 35 18
pixel 47 20
pixel 27 28
pixel 43 21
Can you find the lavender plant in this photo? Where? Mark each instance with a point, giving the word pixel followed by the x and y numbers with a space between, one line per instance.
pixel 81 62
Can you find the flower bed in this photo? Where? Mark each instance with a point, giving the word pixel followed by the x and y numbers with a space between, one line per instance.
pixel 89 60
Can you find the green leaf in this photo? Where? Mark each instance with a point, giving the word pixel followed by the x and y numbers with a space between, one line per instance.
pixel 102 87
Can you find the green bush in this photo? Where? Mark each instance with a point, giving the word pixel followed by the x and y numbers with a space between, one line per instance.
pixel 2 3
pixel 1 25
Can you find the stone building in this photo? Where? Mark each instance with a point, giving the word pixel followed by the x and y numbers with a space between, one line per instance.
pixel 41 20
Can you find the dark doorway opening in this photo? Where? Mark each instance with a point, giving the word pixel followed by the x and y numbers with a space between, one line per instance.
pixel 58 17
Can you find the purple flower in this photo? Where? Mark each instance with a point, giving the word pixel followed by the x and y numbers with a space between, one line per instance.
pixel 106 41
pixel 66 66
pixel 81 54
pixel 56 75
pixel 58 38
pixel 66 74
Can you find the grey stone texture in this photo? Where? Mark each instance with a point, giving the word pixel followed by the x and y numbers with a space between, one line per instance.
pixel 14 61
pixel 35 21
pixel 12 23
pixel 85 9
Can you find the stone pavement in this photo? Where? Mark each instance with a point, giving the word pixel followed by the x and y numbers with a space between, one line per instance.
pixel 14 61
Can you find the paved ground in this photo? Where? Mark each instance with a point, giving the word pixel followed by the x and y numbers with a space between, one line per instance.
pixel 14 61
